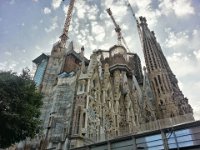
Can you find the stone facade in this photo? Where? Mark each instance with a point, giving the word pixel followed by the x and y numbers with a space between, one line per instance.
pixel 107 96
pixel 109 100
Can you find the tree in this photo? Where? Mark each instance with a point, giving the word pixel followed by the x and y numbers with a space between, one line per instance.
pixel 19 107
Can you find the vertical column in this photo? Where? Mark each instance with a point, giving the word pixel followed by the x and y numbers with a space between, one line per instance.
pixel 175 139
pixel 108 145
pixel 164 138
pixel 134 143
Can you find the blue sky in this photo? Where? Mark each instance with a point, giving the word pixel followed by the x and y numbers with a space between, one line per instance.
pixel 30 27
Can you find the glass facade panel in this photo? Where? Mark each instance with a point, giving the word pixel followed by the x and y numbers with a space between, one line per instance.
pixel 182 132
pixel 150 142
pixel 187 137
pixel 40 72
pixel 122 144
pixel 148 138
pixel 185 144
pixel 159 147
pixel 171 140
pixel 172 146
pixel 184 138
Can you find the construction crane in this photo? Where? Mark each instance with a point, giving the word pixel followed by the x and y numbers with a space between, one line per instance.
pixel 136 20
pixel 118 30
pixel 64 37
pixel 129 5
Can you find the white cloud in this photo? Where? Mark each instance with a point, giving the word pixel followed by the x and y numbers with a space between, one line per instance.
pixel 12 2
pixel 23 61
pixel 180 8
pixel 176 39
pixel 52 41
pixel 183 41
pixel 3 65
pixel 182 65
pixel 8 53
pixel 81 9
pixel 12 66
pixel 192 92
pixel 166 6
pixel 98 31
pixel 145 9
pixel 92 12
pixel 183 7
pixel 194 39
pixel 108 2
pixel 56 3
pixel 38 47
pixel 6 66
pixel 35 27
pixel 141 4
pixel 41 21
pixel 187 69
pixel 65 9
pixel 197 54
pixel 47 10
pixel 53 26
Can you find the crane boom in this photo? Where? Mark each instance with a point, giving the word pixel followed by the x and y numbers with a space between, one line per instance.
pixel 133 13
pixel 64 36
pixel 138 26
pixel 117 27
pixel 118 30
pixel 125 44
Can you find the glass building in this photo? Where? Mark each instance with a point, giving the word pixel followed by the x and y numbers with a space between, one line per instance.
pixel 41 63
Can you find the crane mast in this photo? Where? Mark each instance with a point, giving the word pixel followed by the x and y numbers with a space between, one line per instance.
pixel 117 29
pixel 61 45
pixel 64 37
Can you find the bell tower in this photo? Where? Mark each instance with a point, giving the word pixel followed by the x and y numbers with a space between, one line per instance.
pixel 169 98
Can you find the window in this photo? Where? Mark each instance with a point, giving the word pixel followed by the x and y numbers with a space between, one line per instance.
pixel 150 142
pixel 83 125
pixel 81 87
pixel 77 122
pixel 94 83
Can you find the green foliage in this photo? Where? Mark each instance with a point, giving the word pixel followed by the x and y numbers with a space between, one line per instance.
pixel 19 107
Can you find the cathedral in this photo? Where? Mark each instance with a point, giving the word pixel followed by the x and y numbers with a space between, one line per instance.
pixel 105 96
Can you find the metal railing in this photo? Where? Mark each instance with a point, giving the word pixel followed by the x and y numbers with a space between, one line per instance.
pixel 167 122
pixel 142 128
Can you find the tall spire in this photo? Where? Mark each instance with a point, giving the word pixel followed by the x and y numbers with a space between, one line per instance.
pixel 169 98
